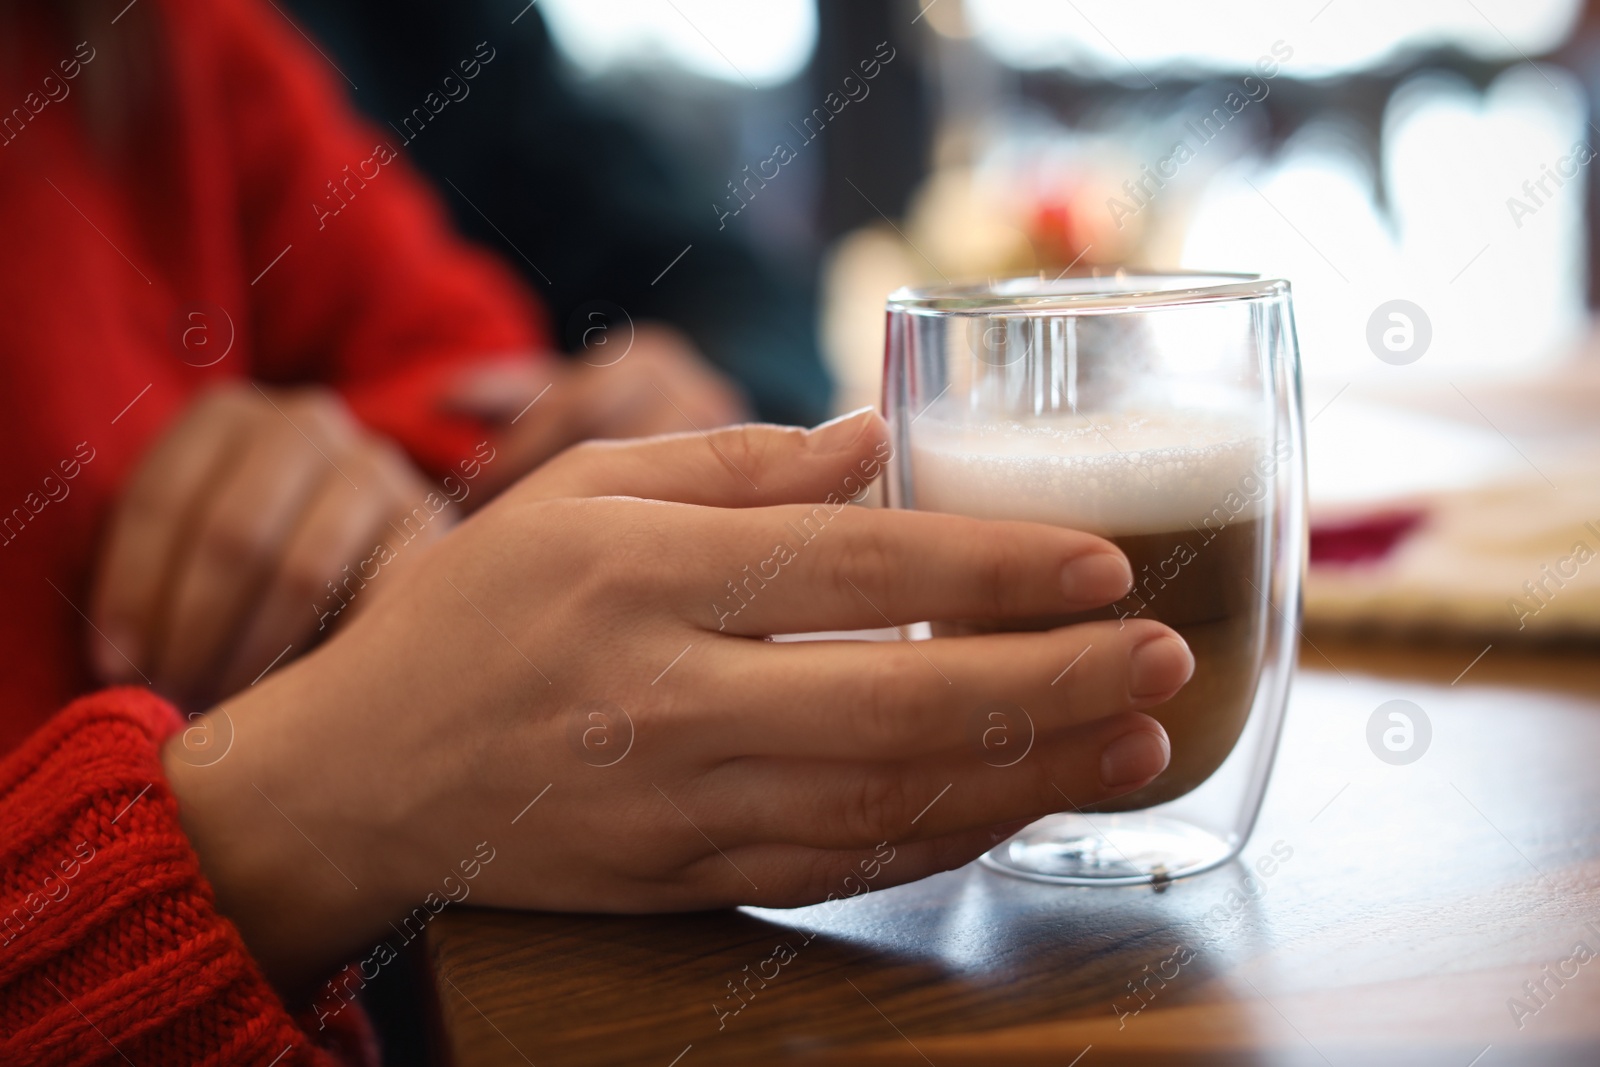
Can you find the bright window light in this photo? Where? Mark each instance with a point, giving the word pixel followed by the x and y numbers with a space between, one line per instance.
pixel 1137 43
pixel 753 45
pixel 1487 242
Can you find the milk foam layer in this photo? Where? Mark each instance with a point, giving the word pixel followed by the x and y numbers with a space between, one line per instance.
pixel 1109 473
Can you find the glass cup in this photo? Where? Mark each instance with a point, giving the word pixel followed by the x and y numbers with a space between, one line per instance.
pixel 1161 412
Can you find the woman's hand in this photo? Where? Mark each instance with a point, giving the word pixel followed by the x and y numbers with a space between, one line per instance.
pixel 651 381
pixel 249 515
pixel 577 681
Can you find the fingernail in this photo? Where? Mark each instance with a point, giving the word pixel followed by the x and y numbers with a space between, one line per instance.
pixel 1099 577
pixel 1159 667
pixel 1134 758
pixel 837 435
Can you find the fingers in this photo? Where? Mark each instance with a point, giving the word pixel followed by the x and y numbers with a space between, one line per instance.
pixel 250 483
pixel 499 390
pixel 546 407
pixel 844 568
pixel 296 446
pixel 835 804
pixel 547 415
pixel 235 543
pixel 674 388
pixel 737 467
pixel 869 700
pixel 144 540
pixel 647 380
pixel 340 544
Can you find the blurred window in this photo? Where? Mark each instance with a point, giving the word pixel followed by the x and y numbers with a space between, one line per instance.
pixel 1393 149
pixel 757 45
pixel 1126 42
pixel 1501 288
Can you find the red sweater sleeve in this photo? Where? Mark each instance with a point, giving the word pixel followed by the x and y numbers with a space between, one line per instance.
pixel 109 939
pixel 373 289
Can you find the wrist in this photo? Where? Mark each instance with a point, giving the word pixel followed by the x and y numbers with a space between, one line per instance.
pixel 286 859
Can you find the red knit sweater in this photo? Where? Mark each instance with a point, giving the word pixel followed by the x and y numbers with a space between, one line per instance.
pixel 218 202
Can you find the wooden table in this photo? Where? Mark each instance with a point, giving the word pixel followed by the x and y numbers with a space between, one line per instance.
pixel 1414 904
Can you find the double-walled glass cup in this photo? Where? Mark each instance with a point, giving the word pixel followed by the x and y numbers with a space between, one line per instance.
pixel 1163 413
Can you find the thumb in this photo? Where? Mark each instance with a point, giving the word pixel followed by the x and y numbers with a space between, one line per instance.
pixel 738 467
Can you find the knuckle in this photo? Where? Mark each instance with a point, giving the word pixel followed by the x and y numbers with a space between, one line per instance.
pixel 217 410
pixel 230 398
pixel 316 402
pixel 320 411
pixel 998 571
pixel 1033 782
pixel 863 568
pixel 649 357
pixel 579 458
pixel 948 853
pixel 880 719
pixel 630 562
pixel 754 451
pixel 387 458
pixel 410 520
pixel 879 809
pixel 817 881
pixel 573 471
pixel 148 503
pixel 608 567
pixel 379 462
pixel 234 544
pixel 652 717
pixel 304 577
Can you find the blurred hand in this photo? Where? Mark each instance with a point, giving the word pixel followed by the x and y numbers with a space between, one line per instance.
pixel 727 769
pixel 223 545
pixel 653 382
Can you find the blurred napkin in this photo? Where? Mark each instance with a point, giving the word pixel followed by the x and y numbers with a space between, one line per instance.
pixel 1460 508
pixel 1506 560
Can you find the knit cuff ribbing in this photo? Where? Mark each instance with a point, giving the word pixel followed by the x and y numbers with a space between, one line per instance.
pixel 110 941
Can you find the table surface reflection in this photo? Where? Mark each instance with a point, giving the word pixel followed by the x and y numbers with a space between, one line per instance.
pixel 1405 911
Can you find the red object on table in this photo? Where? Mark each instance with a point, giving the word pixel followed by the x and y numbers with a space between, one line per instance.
pixel 1363 540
